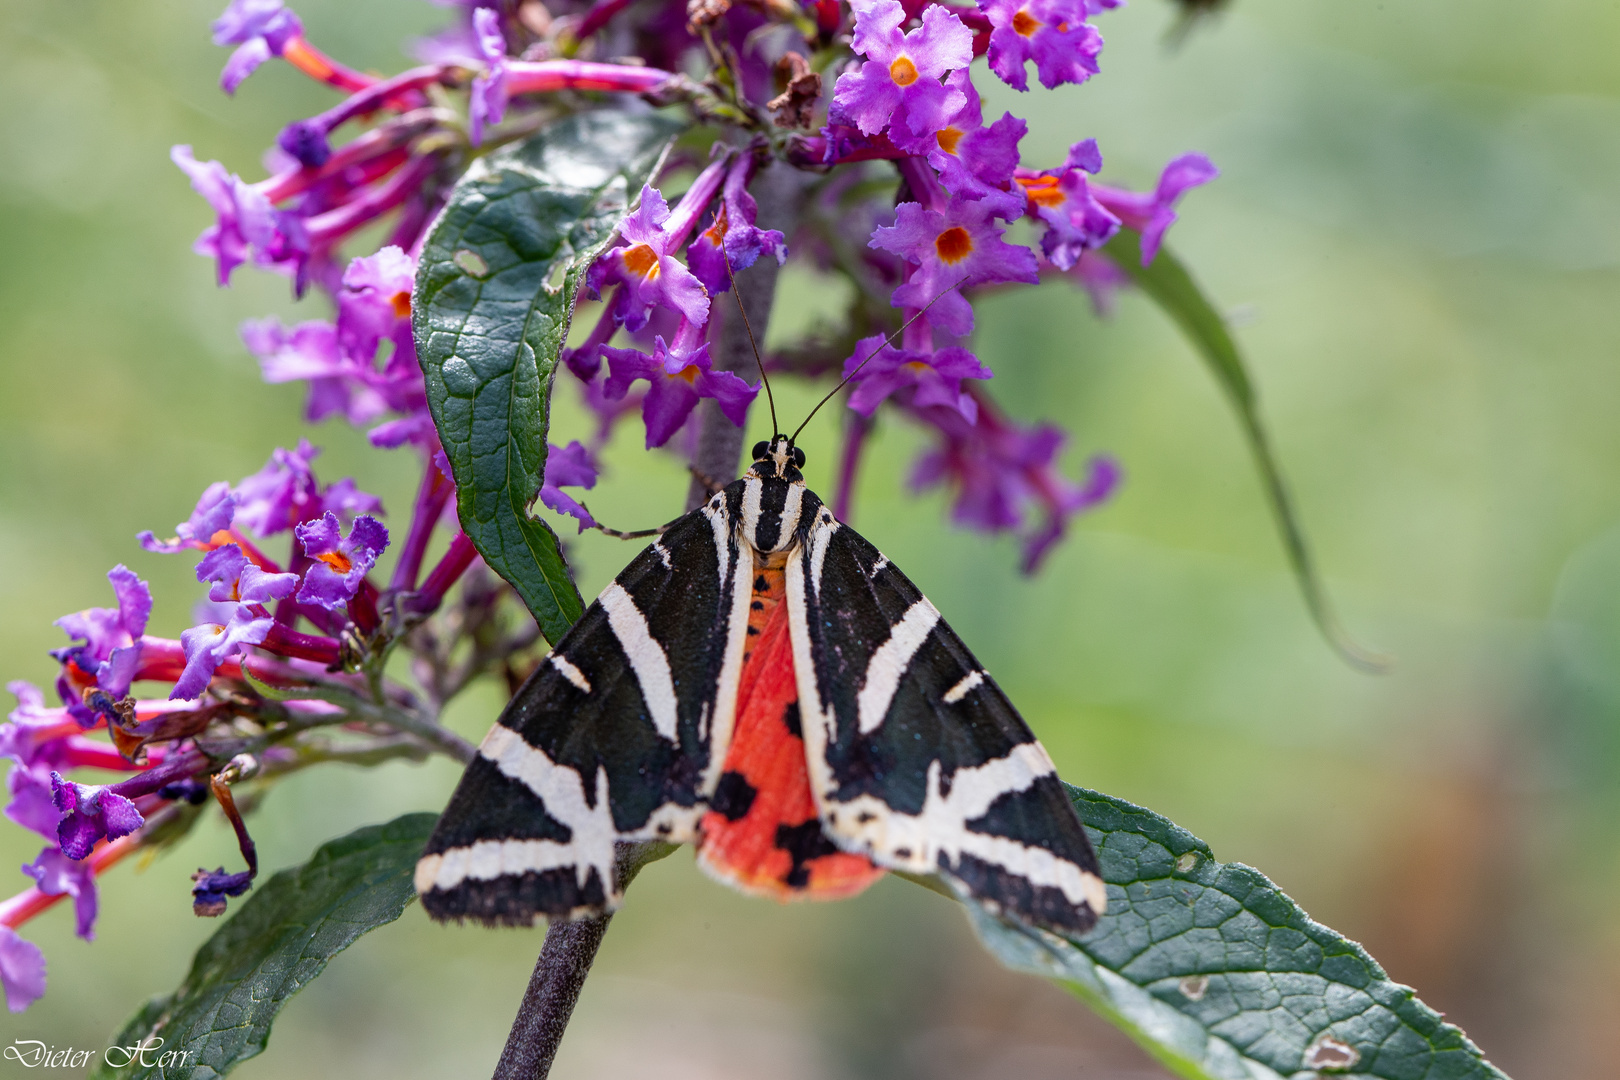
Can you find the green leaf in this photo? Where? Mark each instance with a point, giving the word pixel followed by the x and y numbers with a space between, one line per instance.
pixel 494 294
pixel 279 939
pixel 1221 976
pixel 1169 284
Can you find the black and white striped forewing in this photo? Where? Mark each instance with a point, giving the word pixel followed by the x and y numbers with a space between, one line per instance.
pixel 917 758
pixel 617 736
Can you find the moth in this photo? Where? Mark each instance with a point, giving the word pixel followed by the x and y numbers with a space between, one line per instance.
pixel 763 683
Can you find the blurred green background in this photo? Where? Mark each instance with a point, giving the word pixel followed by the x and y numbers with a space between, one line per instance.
pixel 1417 231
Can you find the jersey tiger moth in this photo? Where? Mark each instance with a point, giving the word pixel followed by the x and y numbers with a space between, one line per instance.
pixel 763 683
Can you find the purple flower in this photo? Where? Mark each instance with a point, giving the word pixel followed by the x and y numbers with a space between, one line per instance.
pixel 309 351
pixel 259 29
pixel 22 970
pixel 213 886
pixel 487 101
pixel 735 221
pixel 1053 33
pixel 1001 470
pixel 899 86
pixel 90 812
pixel 974 161
pixel 242 589
pixel 110 652
pixel 648 268
pixel 1153 213
pixel 58 875
pixel 569 466
pixel 375 303
pixel 285 492
pixel 32 804
pixel 954 247
pixel 33 734
pixel 213 512
pixel 247 224
pixel 678 375
pixel 1062 198
pixel 340 563
pixel 934 378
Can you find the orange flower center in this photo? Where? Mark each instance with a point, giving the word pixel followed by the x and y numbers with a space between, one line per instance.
pixel 954 244
pixel 948 138
pixel 689 373
pixel 903 71
pixel 337 561
pixel 401 303
pixel 1025 23
pixel 642 261
pixel 915 365
pixel 1043 190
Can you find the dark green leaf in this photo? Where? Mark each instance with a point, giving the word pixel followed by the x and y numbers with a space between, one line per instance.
pixel 494 293
pixel 1169 284
pixel 1221 976
pixel 278 940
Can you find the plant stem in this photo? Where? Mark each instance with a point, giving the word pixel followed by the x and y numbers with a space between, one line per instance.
pixel 570 948
pixel 720 442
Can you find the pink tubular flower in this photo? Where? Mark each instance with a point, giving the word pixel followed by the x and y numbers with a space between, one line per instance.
pixel 242 590
pixel 899 86
pixel 90 812
pixel 974 161
pixel 953 247
pixel 734 226
pixel 568 466
pixel 259 29
pixel 247 225
pixel 1152 213
pixel 285 492
pixel 1062 198
pixel 1001 471
pixel 646 262
pixel 931 378
pixel 678 375
pixel 22 970
pixel 1053 33
pixel 486 103
pixel 110 653
pixel 339 563
pixel 213 512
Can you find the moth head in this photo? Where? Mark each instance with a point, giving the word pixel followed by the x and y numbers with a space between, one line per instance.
pixel 777 459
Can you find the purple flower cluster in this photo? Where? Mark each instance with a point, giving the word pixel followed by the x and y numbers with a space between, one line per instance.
pixel 909 194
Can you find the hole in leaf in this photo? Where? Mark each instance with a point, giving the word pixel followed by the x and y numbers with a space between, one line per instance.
pixel 471 262
pixel 559 273
pixel 1331 1055
pixel 1194 987
pixel 1187 861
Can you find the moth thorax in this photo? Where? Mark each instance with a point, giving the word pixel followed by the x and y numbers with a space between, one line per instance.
pixel 770 513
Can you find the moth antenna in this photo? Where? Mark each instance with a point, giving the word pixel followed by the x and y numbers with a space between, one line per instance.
pixel 639 534
pixel 770 399
pixel 888 342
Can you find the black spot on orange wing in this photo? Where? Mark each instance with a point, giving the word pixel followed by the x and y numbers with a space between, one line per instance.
pixel 762 833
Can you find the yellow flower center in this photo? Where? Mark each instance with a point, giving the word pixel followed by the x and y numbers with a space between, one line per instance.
pixel 954 244
pixel 337 561
pixel 689 373
pixel 1025 23
pixel 1043 190
pixel 642 261
pixel 948 138
pixel 903 71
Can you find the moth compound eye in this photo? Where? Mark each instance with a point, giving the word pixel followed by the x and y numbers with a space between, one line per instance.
pixel 760 449
pixel 798 458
